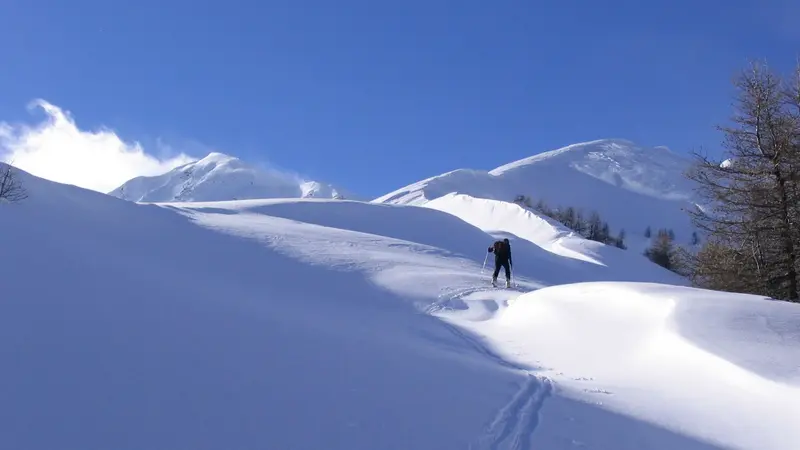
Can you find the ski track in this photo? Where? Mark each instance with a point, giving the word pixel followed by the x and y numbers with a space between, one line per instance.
pixel 518 419
pixel 446 299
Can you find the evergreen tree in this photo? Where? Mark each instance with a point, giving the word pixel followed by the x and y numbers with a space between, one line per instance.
pixel 621 239
pixel 605 233
pixel 569 218
pixel 580 223
pixel 594 227
pixel 542 207
pixel 662 252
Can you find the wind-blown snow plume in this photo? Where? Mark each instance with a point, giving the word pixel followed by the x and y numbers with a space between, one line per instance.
pixel 58 150
pixel 219 177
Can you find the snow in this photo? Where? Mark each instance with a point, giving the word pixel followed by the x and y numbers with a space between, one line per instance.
pixel 722 367
pixel 129 326
pixel 222 177
pixel 318 323
pixel 540 238
pixel 630 186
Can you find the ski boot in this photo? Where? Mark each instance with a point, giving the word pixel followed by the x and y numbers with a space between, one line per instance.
pixel 508 283
pixel 494 281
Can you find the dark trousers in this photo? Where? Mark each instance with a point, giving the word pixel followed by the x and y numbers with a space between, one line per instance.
pixel 498 263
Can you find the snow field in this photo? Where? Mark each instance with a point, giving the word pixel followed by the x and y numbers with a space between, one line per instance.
pixel 339 324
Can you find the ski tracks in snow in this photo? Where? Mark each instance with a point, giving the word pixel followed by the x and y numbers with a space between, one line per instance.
pixel 515 423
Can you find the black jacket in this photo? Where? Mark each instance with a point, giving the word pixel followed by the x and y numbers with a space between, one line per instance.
pixel 502 252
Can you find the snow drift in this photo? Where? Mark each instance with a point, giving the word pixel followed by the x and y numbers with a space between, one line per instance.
pixel 304 324
pixel 222 177
pixel 723 367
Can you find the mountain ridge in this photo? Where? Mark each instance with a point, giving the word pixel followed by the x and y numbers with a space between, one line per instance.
pixel 633 187
pixel 218 177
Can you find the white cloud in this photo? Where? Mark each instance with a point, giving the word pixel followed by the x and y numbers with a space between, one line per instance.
pixel 56 149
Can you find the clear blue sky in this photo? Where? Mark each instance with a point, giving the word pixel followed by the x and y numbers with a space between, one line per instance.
pixel 373 95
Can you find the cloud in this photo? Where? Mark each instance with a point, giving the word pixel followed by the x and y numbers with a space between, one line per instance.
pixel 56 149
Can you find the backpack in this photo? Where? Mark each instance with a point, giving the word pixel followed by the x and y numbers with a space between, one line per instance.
pixel 500 248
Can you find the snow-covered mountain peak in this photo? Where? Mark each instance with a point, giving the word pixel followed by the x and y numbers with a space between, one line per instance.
pixel 217 158
pixel 218 177
pixel 214 161
pixel 653 171
pixel 631 186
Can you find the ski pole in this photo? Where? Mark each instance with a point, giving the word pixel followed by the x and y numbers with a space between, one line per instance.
pixel 484 262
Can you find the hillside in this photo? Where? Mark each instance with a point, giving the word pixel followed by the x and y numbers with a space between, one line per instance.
pixel 313 323
pixel 222 177
pixel 630 186
pixel 588 260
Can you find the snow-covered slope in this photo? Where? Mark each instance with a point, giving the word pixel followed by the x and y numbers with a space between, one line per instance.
pixel 631 187
pixel 129 326
pixel 310 323
pixel 721 367
pixel 582 259
pixel 222 177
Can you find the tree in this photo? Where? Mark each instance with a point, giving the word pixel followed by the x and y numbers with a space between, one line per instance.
pixel 695 238
pixel 662 252
pixel 605 233
pixel 722 268
pixel 753 191
pixel 523 200
pixel 620 243
pixel 542 207
pixel 594 228
pixel 648 232
pixel 11 190
pixel 580 226
pixel 569 217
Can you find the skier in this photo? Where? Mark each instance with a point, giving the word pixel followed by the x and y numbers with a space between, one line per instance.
pixel 502 258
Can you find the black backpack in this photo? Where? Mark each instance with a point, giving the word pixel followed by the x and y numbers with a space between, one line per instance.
pixel 500 249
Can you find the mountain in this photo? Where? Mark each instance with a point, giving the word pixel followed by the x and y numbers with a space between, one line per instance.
pixel 222 177
pixel 339 324
pixel 630 186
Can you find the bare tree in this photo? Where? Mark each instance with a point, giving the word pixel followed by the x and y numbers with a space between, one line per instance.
pixel 11 190
pixel 751 220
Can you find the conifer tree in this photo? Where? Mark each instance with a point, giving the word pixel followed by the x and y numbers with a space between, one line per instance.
pixel 753 192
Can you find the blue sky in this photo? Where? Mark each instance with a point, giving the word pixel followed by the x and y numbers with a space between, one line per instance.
pixel 374 95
